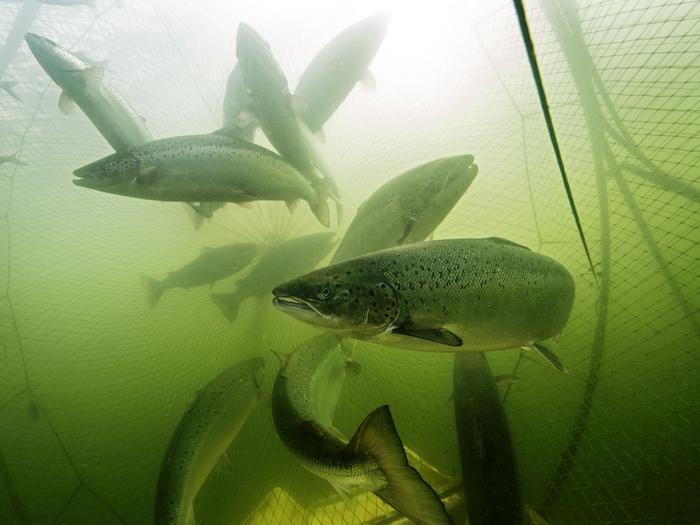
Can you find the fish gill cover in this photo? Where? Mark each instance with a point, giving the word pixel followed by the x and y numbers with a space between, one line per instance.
pixel 93 381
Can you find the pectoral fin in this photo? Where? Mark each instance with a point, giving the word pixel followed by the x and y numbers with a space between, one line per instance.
pixel 436 335
pixel 66 104
pixel 292 205
pixel 147 175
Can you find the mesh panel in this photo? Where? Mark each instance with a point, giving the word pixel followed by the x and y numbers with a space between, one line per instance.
pixel 92 382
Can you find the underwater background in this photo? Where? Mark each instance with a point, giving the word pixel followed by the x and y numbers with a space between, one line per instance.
pixel 93 381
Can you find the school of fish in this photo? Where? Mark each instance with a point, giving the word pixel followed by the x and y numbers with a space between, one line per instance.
pixel 387 282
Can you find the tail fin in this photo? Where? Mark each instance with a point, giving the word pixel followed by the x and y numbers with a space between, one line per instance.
pixel 154 289
pixel 228 303
pixel 406 491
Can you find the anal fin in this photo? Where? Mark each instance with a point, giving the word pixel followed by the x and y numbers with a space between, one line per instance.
pixel 342 491
pixel 550 356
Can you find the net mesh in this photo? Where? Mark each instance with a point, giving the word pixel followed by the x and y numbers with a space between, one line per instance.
pixel 92 382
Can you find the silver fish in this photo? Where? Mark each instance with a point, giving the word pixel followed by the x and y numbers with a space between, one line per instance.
pixel 197 168
pixel 408 207
pixel 83 85
pixel 236 106
pixel 303 402
pixel 278 263
pixel 212 265
pixel 338 67
pixel 447 295
pixel 273 106
pixel 202 436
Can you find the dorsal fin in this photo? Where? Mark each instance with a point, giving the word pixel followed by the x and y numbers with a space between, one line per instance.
pixel 500 240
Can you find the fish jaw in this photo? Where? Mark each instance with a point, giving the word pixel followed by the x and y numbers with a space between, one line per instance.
pixel 306 312
pixel 60 64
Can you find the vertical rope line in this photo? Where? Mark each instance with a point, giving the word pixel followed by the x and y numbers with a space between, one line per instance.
pixel 530 48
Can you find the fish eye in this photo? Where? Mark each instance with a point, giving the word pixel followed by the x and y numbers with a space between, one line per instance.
pixel 325 292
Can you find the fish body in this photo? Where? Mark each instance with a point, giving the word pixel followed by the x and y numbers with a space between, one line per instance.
pixel 236 106
pixel 338 67
pixel 278 263
pixel 304 396
pixel 273 106
pixel 446 295
pixel 212 265
pixel 83 85
pixel 407 208
pixel 197 168
pixel 202 436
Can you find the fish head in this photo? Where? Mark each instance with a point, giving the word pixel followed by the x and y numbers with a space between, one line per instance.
pixel 259 69
pixel 448 179
pixel 435 188
pixel 115 173
pixel 349 297
pixel 61 65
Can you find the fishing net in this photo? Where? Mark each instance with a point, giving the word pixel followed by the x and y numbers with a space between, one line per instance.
pixel 93 382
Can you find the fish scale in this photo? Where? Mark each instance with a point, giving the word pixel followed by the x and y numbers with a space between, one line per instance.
pixel 197 168
pixel 202 436
pixel 447 295
pixel 304 399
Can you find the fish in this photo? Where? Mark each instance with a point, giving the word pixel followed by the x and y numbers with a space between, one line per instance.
pixel 486 452
pixel 198 168
pixel 408 207
pixel 277 110
pixel 453 295
pixel 236 107
pixel 304 396
pixel 11 159
pixel 212 265
pixel 338 67
pixel 84 86
pixel 281 262
pixel 204 433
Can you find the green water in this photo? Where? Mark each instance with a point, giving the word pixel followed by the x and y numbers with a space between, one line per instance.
pixel 93 381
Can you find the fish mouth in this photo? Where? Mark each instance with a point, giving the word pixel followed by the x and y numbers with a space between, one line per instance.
pixel 38 43
pixel 290 304
pixel 93 183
